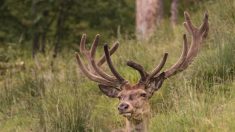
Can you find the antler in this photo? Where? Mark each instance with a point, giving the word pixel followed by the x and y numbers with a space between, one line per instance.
pixel 145 77
pixel 93 71
pixel 187 56
pixel 110 64
pixel 91 54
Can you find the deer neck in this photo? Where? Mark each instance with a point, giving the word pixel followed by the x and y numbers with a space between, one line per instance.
pixel 133 125
pixel 138 125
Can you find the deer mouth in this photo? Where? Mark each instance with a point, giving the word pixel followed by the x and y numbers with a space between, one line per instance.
pixel 126 114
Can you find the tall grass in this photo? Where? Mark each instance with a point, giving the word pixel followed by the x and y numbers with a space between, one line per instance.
pixel 59 98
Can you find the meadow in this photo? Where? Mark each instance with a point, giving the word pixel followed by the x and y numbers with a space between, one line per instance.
pixel 46 97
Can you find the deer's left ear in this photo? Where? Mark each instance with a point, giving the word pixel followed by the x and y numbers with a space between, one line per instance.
pixel 155 84
pixel 109 91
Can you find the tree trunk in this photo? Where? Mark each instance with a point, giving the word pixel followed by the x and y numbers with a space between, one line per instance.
pixel 59 27
pixel 43 42
pixel 35 43
pixel 45 26
pixel 160 11
pixel 148 14
pixel 174 12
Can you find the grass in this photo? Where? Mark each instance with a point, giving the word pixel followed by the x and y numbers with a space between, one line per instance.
pixel 202 98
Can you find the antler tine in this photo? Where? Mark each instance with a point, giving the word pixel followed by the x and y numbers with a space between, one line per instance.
pixel 159 67
pixel 140 69
pixel 94 65
pixel 181 60
pixel 93 49
pixel 94 45
pixel 89 54
pixel 102 73
pixel 197 38
pixel 145 77
pixel 111 51
pixel 90 75
pixel 204 28
pixel 110 64
pixel 82 44
pixel 188 23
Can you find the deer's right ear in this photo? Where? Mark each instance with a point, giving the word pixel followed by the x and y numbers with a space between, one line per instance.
pixel 155 83
pixel 109 91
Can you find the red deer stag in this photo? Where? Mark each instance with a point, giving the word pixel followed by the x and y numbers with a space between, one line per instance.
pixel 134 99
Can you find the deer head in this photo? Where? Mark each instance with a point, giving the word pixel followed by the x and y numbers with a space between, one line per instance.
pixel 134 98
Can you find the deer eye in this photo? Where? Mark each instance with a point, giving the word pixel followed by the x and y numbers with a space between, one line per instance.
pixel 143 95
pixel 131 97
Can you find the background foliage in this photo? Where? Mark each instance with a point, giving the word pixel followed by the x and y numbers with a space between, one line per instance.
pixel 20 18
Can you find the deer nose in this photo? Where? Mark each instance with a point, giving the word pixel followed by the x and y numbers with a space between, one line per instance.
pixel 123 106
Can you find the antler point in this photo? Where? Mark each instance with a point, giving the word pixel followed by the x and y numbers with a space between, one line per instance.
pixel 186 15
pixel 206 15
pixel 106 46
pixel 129 63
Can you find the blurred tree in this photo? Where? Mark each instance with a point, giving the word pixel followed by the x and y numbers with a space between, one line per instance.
pixel 174 12
pixel 148 14
pixel 64 5
pixel 25 18
pixel 40 24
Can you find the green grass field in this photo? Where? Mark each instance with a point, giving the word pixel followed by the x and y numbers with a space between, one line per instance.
pixel 59 98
